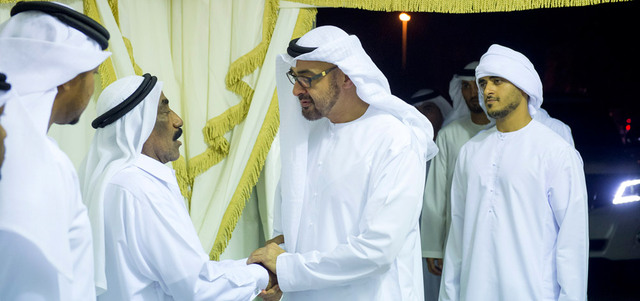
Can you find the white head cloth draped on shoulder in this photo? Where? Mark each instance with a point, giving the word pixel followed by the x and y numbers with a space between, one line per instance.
pixel 115 146
pixel 38 52
pixel 516 68
pixel 335 46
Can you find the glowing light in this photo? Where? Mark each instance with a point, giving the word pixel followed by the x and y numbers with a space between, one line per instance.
pixel 628 127
pixel 628 192
pixel 404 17
pixel 628 120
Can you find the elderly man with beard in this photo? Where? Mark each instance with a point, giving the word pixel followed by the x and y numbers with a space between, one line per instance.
pixel 519 201
pixel 352 178
pixel 146 247
pixel 466 120
pixel 50 53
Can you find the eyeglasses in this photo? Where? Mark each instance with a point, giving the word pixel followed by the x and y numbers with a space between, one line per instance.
pixel 305 81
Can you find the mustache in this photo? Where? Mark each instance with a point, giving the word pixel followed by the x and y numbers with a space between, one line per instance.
pixel 305 97
pixel 177 134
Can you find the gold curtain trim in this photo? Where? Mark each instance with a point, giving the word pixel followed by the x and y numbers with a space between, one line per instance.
pixel 249 178
pixel 453 6
pixel 215 128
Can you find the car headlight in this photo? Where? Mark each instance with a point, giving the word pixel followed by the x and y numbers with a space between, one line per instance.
pixel 628 191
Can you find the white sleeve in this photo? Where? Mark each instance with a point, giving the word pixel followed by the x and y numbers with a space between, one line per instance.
pixel 434 219
pixel 450 284
pixel 391 213
pixel 568 200
pixel 27 275
pixel 164 247
pixel 277 212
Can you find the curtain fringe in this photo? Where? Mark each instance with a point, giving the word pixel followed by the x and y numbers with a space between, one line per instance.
pixel 248 179
pixel 456 7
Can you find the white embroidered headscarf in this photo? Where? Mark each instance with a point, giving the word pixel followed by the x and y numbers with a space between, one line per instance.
pixel 335 46
pixel 113 148
pixel 516 68
pixel 460 108
pixel 38 53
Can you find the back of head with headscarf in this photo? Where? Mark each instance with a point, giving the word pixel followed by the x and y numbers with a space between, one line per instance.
pixel 38 53
pixel 332 45
pixel 113 148
pixel 460 109
pixel 516 68
pixel 424 96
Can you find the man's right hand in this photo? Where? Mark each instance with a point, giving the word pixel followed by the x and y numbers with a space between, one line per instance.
pixel 435 266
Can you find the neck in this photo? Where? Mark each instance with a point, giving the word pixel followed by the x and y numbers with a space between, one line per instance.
pixel 515 120
pixel 348 109
pixel 479 118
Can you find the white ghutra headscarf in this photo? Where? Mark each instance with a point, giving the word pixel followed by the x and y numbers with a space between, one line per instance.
pixel 38 53
pixel 113 148
pixel 333 45
pixel 514 67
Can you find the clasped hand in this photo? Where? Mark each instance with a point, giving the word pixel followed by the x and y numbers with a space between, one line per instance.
pixel 267 257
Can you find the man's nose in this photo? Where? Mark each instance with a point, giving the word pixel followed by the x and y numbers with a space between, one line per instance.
pixel 298 89
pixel 178 121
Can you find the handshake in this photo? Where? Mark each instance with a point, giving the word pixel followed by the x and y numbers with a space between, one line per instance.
pixel 267 256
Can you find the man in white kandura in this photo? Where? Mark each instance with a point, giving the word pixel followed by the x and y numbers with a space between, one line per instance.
pixel 519 201
pixel 352 177
pixel 466 120
pixel 49 52
pixel 146 247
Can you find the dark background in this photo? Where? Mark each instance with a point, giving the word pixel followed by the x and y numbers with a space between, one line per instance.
pixel 579 51
pixel 587 58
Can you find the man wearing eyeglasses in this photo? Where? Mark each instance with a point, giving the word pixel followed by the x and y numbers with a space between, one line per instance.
pixel 353 168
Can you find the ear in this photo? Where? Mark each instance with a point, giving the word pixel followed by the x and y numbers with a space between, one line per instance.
pixel 64 87
pixel 347 83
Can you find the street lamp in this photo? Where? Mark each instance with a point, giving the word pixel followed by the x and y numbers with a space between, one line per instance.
pixel 404 17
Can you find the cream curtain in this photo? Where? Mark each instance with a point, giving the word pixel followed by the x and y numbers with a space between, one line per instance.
pixel 210 55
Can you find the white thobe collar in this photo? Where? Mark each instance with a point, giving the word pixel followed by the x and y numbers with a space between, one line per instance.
pixel 157 169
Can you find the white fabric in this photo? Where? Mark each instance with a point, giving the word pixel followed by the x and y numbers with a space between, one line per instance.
pixel 519 219
pixel 554 124
pixel 514 67
pixel 152 250
pixel 113 148
pixel 460 109
pixel 39 189
pixel 436 208
pixel 358 235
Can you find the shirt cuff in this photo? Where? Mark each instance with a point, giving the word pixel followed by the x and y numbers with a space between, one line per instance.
pixel 260 274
